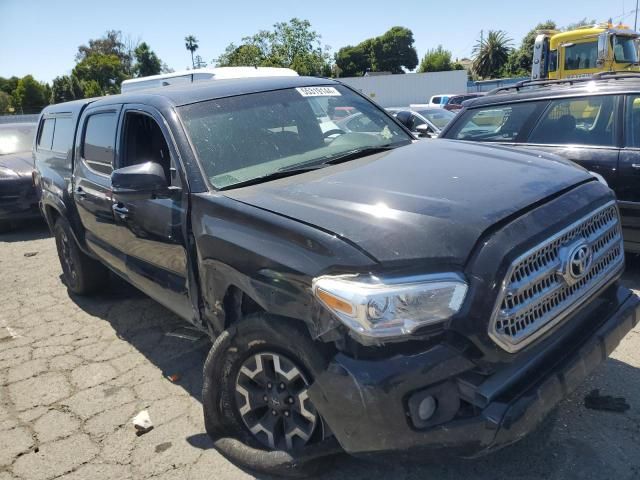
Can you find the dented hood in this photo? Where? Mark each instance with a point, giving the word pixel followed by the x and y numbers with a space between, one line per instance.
pixel 429 200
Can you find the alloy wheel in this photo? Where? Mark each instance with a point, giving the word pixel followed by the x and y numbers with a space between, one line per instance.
pixel 271 395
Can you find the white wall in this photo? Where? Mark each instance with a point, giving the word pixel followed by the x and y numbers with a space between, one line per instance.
pixel 402 90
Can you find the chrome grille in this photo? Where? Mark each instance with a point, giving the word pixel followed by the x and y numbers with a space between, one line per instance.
pixel 539 289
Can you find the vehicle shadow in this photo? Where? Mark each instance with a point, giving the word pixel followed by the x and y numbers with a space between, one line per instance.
pixel 26 231
pixel 572 447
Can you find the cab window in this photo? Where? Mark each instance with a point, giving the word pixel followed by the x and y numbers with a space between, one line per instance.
pixel 581 56
pixel 144 142
pixel 46 134
pixel 633 122
pixel 584 121
pixel 99 141
pixel 496 123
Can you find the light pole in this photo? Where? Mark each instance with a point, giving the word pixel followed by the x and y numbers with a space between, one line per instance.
pixel 635 24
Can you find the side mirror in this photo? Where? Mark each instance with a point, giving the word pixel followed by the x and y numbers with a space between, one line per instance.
pixel 143 179
pixel 425 131
pixel 603 48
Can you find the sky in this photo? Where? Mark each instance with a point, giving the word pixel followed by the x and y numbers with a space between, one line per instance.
pixel 41 37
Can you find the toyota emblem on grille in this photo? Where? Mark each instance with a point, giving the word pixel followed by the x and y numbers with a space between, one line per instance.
pixel 576 262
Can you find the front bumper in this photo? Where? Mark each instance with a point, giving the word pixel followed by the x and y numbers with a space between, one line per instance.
pixel 366 402
pixel 18 199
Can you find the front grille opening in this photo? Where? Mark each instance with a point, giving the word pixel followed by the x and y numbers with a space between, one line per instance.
pixel 535 294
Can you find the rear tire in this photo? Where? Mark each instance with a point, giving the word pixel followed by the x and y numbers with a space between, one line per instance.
pixel 82 274
pixel 234 355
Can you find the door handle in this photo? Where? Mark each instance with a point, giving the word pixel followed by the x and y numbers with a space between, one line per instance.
pixel 120 211
pixel 636 166
pixel 80 193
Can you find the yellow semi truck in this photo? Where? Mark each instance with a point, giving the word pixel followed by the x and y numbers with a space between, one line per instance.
pixel 584 51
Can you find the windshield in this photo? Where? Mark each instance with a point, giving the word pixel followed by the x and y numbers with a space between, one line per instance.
pixel 243 138
pixel 625 49
pixel 440 117
pixel 15 138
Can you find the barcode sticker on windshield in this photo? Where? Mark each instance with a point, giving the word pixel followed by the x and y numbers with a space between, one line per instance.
pixel 318 92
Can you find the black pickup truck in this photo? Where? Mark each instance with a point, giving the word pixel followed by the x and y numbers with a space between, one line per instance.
pixel 363 291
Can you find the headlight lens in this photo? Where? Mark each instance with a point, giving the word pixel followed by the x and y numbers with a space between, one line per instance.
pixel 7 173
pixel 393 307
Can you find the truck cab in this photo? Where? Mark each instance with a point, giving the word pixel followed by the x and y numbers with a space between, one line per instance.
pixel 584 51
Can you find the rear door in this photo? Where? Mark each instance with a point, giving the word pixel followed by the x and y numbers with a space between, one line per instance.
pixel 95 154
pixel 585 130
pixel 628 184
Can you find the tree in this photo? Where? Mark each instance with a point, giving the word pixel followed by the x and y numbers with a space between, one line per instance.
pixel 438 60
pixel 65 89
pixel 30 95
pixel 191 44
pixel 8 85
pixel 291 44
pixel 5 102
pixel 147 62
pixel 91 89
pixel 392 52
pixel 106 70
pixel 112 43
pixel 491 54
pixel 244 55
pixel 520 60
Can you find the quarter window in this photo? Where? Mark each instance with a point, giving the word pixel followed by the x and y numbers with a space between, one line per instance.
pixel 581 56
pixel 583 121
pixel 46 134
pixel 99 141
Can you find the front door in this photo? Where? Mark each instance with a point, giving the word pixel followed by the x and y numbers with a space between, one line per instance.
pixel 151 230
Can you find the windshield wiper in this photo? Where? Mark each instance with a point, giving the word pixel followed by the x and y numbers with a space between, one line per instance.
pixel 281 173
pixel 357 153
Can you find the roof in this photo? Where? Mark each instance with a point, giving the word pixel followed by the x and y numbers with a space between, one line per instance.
pixel 544 90
pixel 177 95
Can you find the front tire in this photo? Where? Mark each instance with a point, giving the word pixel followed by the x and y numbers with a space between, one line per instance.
pixel 82 274
pixel 254 397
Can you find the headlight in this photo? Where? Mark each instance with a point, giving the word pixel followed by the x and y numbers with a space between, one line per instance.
pixel 391 308
pixel 7 173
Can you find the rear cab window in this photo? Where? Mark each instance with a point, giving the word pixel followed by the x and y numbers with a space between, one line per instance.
pixel 99 142
pixel 496 123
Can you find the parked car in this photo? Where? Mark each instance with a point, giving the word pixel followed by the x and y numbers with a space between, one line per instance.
pixel 439 101
pixel 594 123
pixel 17 194
pixel 424 122
pixel 455 103
pixel 364 292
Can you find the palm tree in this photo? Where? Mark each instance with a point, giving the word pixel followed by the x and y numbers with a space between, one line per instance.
pixel 191 44
pixel 491 53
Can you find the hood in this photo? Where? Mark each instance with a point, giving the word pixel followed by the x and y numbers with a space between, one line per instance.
pixel 21 162
pixel 429 200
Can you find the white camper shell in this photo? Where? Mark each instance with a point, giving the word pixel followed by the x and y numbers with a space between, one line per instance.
pixel 200 74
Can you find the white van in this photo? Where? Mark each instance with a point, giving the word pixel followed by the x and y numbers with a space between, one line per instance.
pixel 199 74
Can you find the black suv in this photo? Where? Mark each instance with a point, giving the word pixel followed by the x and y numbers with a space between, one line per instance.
pixel 362 291
pixel 594 122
